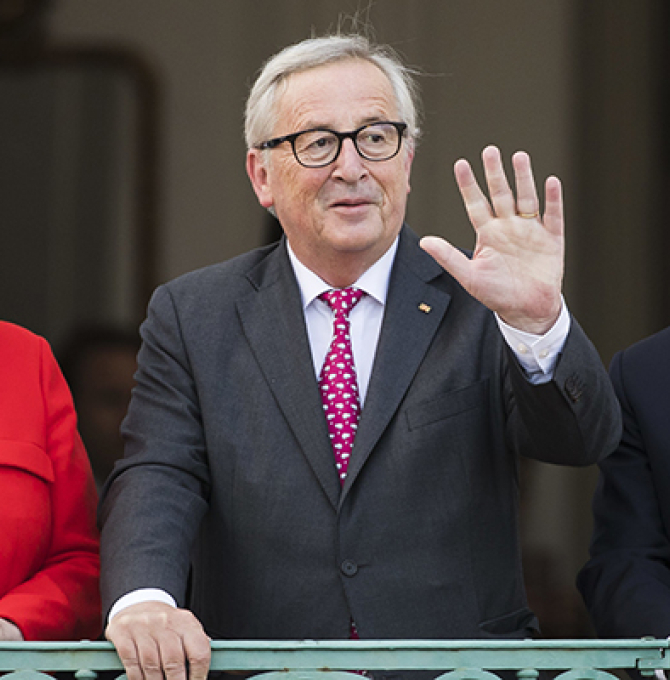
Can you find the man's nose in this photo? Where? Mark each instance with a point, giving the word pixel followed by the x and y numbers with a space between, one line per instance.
pixel 349 164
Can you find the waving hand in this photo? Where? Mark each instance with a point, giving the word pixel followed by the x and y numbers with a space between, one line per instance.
pixel 517 266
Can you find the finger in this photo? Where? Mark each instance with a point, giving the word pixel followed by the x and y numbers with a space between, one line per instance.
pixel 172 656
pixel 527 202
pixel 149 655
pixel 474 199
pixel 502 197
pixel 452 259
pixel 199 653
pixel 553 202
pixel 127 652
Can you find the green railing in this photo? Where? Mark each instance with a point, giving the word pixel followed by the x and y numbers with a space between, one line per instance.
pixel 330 660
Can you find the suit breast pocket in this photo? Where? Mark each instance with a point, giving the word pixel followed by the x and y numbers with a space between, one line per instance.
pixel 449 405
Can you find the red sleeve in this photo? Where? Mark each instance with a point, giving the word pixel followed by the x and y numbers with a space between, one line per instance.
pixel 60 599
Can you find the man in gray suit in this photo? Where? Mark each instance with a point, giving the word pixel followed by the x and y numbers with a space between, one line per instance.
pixel 234 513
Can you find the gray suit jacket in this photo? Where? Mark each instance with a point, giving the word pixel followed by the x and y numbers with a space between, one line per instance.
pixel 228 497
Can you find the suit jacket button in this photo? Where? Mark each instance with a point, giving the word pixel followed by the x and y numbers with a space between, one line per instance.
pixel 349 568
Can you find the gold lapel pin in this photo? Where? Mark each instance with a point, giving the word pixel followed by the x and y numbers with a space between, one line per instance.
pixel 425 308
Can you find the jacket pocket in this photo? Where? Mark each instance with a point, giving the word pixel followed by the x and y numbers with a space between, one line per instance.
pixel 28 457
pixel 448 405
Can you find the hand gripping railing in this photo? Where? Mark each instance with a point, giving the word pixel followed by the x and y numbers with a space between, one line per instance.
pixel 330 660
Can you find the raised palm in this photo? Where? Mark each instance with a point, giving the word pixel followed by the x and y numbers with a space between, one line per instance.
pixel 516 269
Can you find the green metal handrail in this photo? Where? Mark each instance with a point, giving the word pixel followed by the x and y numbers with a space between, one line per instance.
pixel 309 659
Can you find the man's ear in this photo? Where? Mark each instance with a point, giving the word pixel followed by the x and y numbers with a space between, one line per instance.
pixel 258 175
pixel 409 158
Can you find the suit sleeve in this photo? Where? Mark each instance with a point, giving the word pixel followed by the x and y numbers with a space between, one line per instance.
pixel 626 583
pixel 154 501
pixel 60 601
pixel 575 418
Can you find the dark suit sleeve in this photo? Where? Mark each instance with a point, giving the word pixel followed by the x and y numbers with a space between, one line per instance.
pixel 626 583
pixel 164 466
pixel 574 419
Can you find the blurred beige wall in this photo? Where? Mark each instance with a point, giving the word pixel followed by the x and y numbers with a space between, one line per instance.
pixel 495 73
pixel 569 81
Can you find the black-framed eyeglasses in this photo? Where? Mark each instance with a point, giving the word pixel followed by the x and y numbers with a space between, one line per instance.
pixel 318 147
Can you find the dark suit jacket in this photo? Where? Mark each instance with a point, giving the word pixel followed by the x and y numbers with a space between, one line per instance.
pixel 229 474
pixel 626 584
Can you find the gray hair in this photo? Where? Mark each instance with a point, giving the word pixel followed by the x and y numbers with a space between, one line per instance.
pixel 260 115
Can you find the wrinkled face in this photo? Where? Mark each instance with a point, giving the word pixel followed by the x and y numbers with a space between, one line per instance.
pixel 348 212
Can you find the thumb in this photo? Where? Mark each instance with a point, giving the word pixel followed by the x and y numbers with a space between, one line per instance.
pixel 452 259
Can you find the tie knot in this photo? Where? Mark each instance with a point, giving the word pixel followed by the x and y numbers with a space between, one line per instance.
pixel 342 300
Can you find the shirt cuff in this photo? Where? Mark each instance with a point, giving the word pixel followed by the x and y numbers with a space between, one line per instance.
pixel 538 354
pixel 141 595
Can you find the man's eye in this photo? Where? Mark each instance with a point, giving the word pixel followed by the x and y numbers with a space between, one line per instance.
pixel 374 138
pixel 321 142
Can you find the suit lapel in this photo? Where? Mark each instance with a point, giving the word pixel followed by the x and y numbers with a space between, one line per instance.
pixel 274 324
pixel 414 310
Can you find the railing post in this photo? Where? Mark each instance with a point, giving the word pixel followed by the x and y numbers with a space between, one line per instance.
pixel 85 674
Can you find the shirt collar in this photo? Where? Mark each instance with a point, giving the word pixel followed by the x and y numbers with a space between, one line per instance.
pixel 374 281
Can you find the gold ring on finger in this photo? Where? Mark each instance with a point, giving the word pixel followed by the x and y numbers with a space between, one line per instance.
pixel 529 216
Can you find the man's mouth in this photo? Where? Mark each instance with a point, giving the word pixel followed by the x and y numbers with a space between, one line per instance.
pixel 351 203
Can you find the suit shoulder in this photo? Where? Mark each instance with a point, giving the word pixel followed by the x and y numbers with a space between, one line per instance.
pixel 17 340
pixel 28 362
pixel 222 276
pixel 644 363
pixel 10 332
pixel 650 350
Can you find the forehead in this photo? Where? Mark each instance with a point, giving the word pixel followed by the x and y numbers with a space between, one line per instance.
pixel 341 95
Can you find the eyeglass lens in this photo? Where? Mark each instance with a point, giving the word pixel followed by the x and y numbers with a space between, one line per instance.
pixel 376 142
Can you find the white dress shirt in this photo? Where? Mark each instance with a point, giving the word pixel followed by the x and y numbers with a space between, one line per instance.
pixel 537 354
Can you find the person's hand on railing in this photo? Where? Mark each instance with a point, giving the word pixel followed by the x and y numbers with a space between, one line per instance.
pixel 155 640
pixel 9 632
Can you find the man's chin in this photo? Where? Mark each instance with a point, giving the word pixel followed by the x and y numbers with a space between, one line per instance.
pixel 353 239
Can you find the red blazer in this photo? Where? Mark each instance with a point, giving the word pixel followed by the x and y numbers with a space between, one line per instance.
pixel 49 561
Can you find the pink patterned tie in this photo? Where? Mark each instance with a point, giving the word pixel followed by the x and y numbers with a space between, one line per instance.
pixel 339 390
